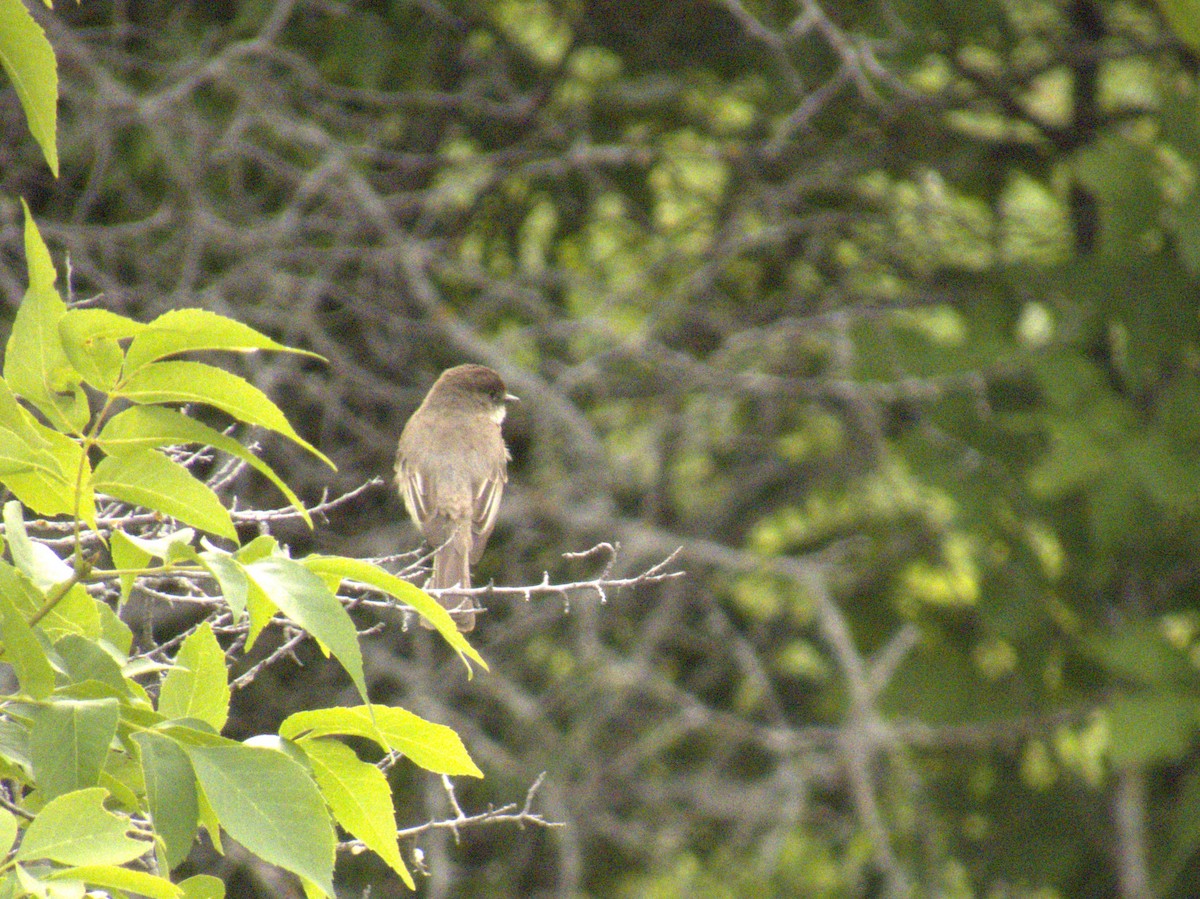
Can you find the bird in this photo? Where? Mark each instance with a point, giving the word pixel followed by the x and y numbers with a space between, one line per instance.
pixel 451 468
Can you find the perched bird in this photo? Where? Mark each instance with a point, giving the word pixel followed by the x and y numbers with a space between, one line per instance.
pixel 451 468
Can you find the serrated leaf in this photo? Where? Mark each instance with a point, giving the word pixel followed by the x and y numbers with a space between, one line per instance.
pixel 115 878
pixel 69 741
pixel 170 792
pixel 28 60
pixel 195 382
pixel 303 597
pixel 187 330
pixel 270 805
pixel 149 479
pixel 360 797
pixel 76 829
pixel 197 687
pixel 41 466
pixel 155 426
pixel 90 340
pixel 433 747
pixel 341 567
pixel 35 364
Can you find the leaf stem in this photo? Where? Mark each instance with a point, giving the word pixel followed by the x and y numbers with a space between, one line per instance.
pixel 83 568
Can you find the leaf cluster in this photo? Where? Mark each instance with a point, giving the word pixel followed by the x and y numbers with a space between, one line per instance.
pixel 108 757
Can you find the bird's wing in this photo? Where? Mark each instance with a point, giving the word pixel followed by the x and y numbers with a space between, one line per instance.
pixel 416 496
pixel 487 506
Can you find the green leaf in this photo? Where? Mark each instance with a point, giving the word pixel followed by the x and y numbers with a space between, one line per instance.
pixel 90 340
pixel 76 613
pixel 195 382
pixel 22 649
pixel 433 747
pixel 170 792
pixel 35 364
pixel 130 553
pixel 28 60
pixel 230 578
pixel 1150 728
pixel 303 597
pixel 186 330
pixel 270 805
pixel 40 465
pixel 203 886
pixel 42 273
pixel 8 830
pixel 114 632
pixel 69 741
pixel 361 800
pixel 1141 654
pixel 197 686
pixel 147 478
pixel 1184 18
pixel 84 659
pixel 115 878
pixel 127 556
pixel 14 743
pixel 340 567
pixel 155 426
pixel 76 829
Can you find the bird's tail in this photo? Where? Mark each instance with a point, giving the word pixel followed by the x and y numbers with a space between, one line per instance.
pixel 452 568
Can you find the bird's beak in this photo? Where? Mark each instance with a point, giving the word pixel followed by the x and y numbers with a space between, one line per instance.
pixel 511 398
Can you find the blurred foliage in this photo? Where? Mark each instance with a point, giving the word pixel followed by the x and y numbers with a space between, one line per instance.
pixel 886 312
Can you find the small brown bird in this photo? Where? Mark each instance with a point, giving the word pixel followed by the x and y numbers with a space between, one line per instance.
pixel 451 468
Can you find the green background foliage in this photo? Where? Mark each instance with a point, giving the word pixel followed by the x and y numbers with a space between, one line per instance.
pixel 885 312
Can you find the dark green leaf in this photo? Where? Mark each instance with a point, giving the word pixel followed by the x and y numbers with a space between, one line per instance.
pixel 170 792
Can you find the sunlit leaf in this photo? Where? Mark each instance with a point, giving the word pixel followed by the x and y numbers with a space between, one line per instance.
pixel 28 60
pixel 144 477
pixel 195 382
